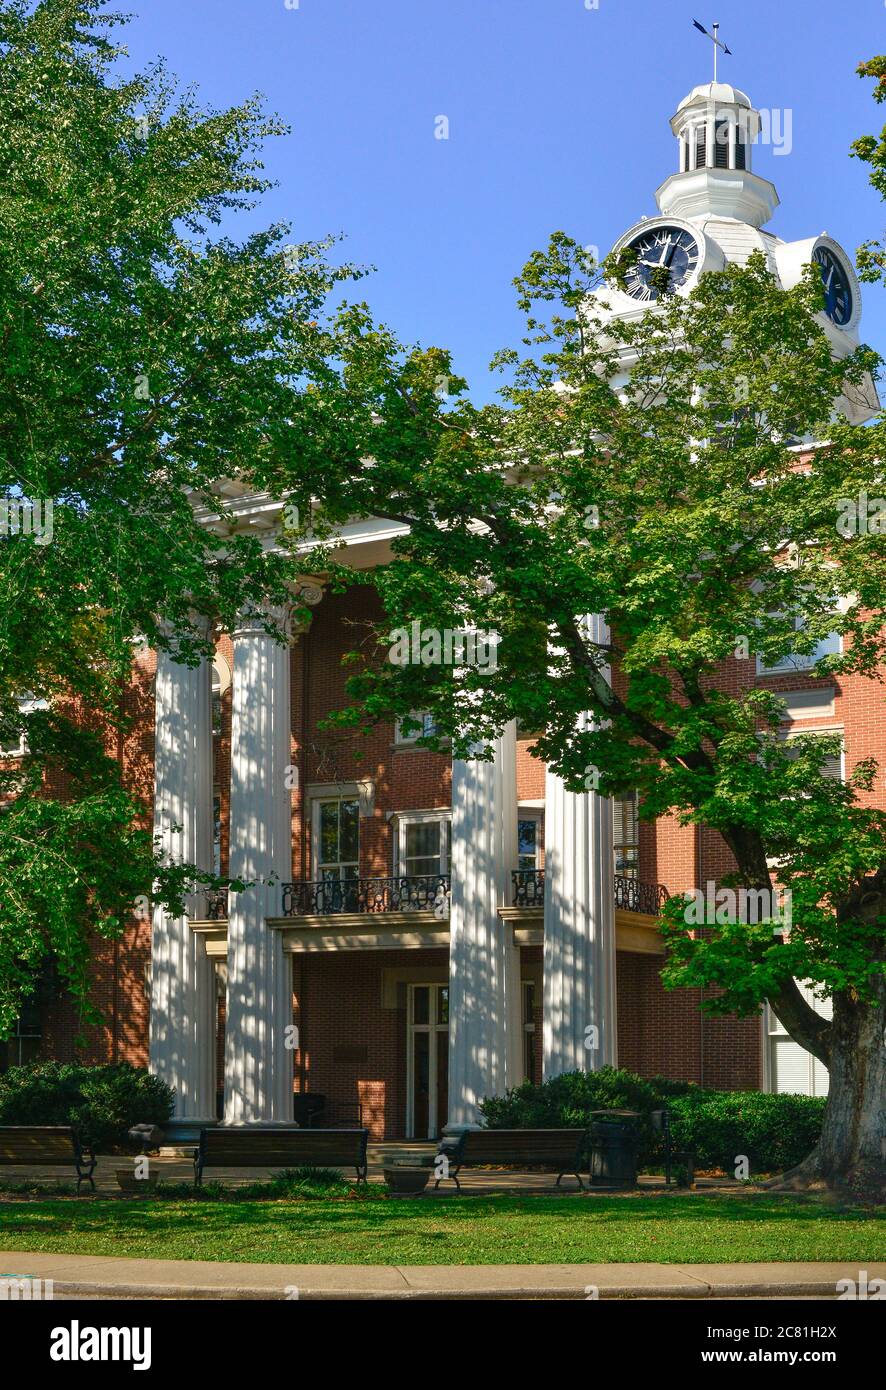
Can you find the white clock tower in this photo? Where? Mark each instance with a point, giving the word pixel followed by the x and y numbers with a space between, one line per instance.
pixel 713 211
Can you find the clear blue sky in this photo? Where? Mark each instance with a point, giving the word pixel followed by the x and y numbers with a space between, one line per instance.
pixel 558 120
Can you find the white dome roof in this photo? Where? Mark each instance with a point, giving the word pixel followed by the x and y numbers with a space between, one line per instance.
pixel 716 91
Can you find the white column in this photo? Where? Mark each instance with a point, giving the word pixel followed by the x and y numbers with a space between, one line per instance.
pixel 579 931
pixel 183 993
pixel 485 1028
pixel 710 136
pixel 258 1063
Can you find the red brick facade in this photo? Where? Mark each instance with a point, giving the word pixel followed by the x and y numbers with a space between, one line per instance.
pixel 350 1007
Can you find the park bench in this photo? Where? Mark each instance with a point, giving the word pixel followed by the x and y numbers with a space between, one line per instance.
pixel 280 1148
pixel 47 1145
pixel 561 1150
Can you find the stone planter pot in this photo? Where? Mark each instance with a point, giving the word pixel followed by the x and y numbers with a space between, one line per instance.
pixel 407 1179
pixel 128 1182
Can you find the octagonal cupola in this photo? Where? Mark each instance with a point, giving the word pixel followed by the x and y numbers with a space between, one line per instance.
pixel 716 127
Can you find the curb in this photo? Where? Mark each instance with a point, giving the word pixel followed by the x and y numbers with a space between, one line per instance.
pixel 540 1293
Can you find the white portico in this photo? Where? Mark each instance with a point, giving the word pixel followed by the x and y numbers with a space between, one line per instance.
pixel 263 929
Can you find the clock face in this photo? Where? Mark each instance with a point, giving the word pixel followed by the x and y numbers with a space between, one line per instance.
pixel 837 292
pixel 661 249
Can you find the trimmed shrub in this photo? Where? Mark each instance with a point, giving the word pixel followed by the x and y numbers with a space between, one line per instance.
pixel 100 1103
pixel 774 1131
pixel 565 1102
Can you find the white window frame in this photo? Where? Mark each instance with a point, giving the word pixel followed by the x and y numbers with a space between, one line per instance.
pixel 407 818
pixel 773 1028
pixel 620 872
pixel 321 800
pixel 536 813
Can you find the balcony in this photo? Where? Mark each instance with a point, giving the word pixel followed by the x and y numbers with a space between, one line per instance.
pixel 630 894
pixel 412 910
pixel 334 897
pixel 424 893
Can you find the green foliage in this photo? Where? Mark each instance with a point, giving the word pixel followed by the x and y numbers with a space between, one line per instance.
pixel 872 151
pixel 101 1103
pixel 774 1131
pixel 145 359
pixel 309 1176
pixel 565 1101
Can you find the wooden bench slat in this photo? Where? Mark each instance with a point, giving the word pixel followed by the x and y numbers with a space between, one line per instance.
pixel 45 1145
pixel 251 1148
pixel 510 1148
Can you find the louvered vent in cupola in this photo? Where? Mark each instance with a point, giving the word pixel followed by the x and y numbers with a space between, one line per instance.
pixel 700 146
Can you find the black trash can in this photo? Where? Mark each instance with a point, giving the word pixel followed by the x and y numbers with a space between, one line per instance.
pixel 614 1139
pixel 307 1108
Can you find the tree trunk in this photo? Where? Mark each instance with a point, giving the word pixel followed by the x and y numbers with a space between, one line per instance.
pixel 851 1152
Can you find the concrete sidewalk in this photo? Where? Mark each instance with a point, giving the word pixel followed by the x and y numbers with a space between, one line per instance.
pixel 103 1276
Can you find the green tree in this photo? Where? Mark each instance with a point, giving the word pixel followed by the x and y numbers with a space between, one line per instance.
pixel 146 357
pixel 871 150
pixel 649 472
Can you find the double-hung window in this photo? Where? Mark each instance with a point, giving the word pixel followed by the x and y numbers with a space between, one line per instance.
pixel 338 838
pixel 424 844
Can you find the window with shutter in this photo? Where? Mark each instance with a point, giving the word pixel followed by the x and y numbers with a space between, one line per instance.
pixel 721 145
pixel 626 834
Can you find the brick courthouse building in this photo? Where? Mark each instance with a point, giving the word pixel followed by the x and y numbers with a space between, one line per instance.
pixel 438 930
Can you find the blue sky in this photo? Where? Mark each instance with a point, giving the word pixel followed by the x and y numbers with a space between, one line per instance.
pixel 558 119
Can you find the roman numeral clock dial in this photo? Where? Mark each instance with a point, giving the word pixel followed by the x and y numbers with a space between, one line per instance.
pixel 661 250
pixel 835 281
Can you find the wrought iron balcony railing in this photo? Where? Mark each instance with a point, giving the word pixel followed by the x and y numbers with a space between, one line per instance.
pixel 630 894
pixel 328 897
pixel 529 887
pixel 634 896
pixel 423 893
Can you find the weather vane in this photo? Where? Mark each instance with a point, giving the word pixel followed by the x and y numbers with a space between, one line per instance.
pixel 714 40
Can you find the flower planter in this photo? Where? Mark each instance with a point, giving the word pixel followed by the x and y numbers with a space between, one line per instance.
pixel 407 1179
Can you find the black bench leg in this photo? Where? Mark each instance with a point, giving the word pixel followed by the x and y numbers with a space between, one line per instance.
pixel 85 1172
pixel 573 1174
pixel 452 1177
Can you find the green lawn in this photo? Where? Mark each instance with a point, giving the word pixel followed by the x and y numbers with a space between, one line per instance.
pixel 467 1230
